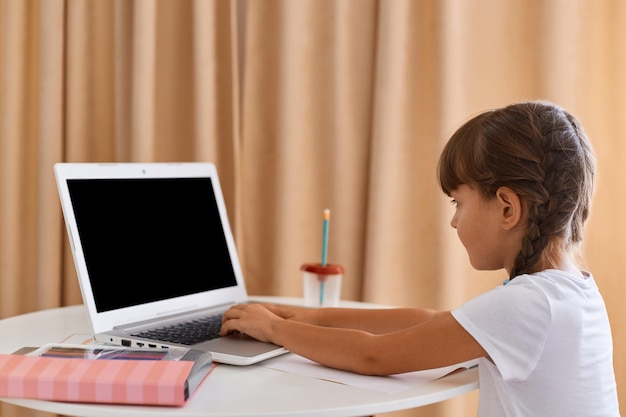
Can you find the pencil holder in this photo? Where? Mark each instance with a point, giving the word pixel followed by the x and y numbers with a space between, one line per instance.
pixel 322 284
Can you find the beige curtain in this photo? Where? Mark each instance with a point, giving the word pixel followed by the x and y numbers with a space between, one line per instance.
pixel 303 105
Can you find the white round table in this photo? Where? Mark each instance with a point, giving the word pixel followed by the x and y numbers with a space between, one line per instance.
pixel 231 391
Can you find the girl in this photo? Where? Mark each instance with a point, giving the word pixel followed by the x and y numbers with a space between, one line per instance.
pixel 521 178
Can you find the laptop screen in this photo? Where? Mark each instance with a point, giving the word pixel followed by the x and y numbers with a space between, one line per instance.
pixel 146 240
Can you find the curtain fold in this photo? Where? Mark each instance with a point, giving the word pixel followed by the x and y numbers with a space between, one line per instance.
pixel 403 159
pixel 50 233
pixel 306 108
pixel 303 105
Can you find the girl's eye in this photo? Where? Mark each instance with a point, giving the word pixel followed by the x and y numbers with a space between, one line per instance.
pixel 454 202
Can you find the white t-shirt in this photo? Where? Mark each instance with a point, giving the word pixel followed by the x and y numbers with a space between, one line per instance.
pixel 549 344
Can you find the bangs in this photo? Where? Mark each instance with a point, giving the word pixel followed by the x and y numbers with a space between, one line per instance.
pixel 460 161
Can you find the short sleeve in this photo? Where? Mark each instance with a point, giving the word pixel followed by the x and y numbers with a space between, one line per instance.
pixel 511 323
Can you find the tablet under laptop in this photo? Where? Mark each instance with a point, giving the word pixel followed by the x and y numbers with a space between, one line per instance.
pixel 155 254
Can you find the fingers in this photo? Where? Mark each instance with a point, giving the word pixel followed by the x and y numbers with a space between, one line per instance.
pixel 234 318
pixel 231 312
pixel 250 319
pixel 228 328
pixel 229 320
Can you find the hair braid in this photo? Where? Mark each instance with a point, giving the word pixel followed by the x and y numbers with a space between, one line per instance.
pixel 540 205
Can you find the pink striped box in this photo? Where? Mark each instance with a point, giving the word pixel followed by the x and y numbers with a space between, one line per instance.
pixel 95 381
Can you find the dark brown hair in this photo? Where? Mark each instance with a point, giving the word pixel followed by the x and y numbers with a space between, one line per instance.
pixel 541 152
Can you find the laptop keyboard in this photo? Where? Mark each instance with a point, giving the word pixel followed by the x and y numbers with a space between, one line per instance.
pixel 188 332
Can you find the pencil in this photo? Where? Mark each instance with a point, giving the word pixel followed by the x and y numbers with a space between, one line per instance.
pixel 324 251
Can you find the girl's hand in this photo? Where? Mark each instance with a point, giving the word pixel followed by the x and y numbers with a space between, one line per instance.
pixel 254 320
pixel 303 314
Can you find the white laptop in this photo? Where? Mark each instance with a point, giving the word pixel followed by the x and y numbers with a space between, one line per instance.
pixel 154 253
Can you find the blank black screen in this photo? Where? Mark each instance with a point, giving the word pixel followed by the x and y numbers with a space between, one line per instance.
pixel 150 239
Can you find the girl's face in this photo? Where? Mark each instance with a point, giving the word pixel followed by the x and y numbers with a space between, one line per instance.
pixel 477 221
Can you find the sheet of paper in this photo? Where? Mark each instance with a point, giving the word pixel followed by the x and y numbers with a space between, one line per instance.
pixel 79 339
pixel 296 364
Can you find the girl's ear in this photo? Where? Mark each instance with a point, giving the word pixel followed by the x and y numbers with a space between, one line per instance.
pixel 511 208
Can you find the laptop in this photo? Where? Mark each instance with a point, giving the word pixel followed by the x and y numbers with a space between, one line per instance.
pixel 154 253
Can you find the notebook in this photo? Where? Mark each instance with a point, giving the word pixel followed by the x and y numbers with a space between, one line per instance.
pixel 153 248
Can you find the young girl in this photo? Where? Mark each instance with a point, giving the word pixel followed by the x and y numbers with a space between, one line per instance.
pixel 521 178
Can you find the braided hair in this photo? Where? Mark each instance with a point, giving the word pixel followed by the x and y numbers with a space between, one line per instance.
pixel 541 152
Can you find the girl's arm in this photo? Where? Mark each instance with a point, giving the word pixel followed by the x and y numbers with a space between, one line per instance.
pixel 437 342
pixel 375 321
